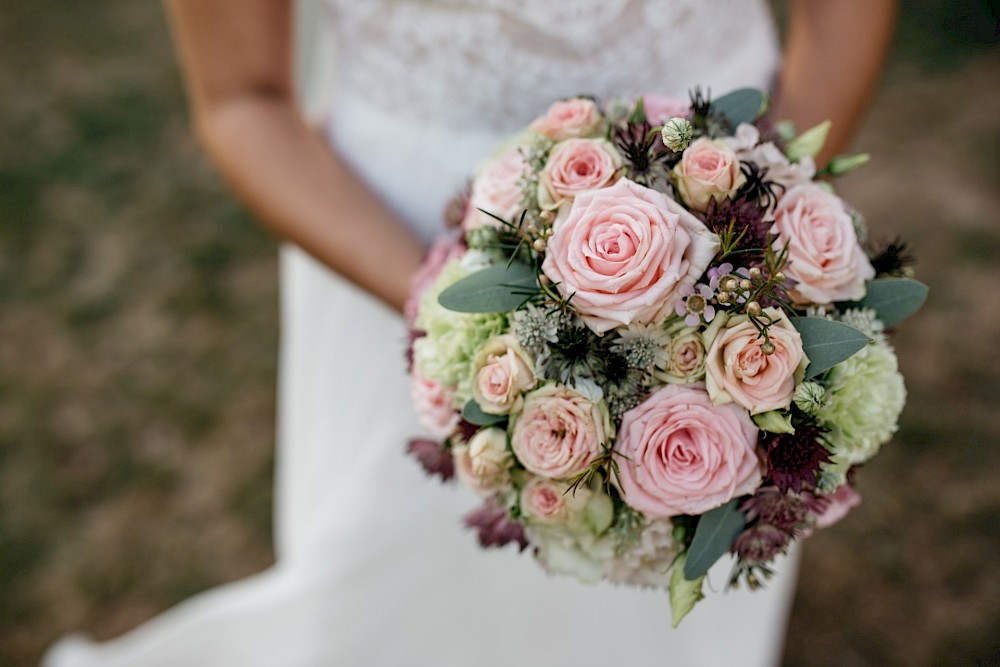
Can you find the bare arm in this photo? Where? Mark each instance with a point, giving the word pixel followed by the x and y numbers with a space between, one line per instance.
pixel 834 52
pixel 236 59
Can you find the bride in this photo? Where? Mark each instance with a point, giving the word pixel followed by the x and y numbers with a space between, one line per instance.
pixel 372 565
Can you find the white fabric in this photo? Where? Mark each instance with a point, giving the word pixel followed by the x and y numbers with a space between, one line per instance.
pixel 373 565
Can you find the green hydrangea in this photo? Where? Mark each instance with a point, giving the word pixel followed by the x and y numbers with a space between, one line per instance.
pixel 453 339
pixel 864 397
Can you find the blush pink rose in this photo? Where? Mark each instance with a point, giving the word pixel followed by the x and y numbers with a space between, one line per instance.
pixel 575 166
pixel 683 455
pixel 435 405
pixel 841 501
pixel 547 501
pixel 496 189
pixel 623 253
pixel 445 248
pixel 568 119
pixel 737 370
pixel 707 170
pixel 502 371
pixel 824 256
pixel 559 432
pixel 661 108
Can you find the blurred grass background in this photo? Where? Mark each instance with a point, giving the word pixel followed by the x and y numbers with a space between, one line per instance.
pixel 138 334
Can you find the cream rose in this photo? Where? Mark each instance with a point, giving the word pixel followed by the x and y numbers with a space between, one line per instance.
pixel 824 256
pixel 547 501
pixel 502 371
pixel 560 431
pixel 568 119
pixel 685 356
pixel 737 370
pixel 484 463
pixel 496 189
pixel 683 455
pixel 708 170
pixel 623 253
pixel 575 166
pixel 434 404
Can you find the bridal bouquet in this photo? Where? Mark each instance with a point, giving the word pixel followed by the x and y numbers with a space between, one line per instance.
pixel 656 336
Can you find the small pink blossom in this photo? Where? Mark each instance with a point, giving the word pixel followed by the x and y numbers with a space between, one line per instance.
pixel 435 405
pixel 841 501
pixel 496 190
pixel 661 108
pixel 568 119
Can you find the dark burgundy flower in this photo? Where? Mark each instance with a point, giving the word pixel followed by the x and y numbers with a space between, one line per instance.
pixel 467 429
pixel 793 459
pixel 457 207
pixel 747 218
pixel 787 512
pixel 760 543
pixel 432 455
pixel 495 528
pixel 411 337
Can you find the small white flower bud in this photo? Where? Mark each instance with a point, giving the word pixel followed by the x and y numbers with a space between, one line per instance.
pixel 677 133
pixel 809 397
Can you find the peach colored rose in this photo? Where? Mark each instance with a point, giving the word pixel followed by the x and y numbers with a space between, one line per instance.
pixel 661 108
pixel 496 189
pixel 547 501
pixel 502 371
pixel 484 463
pixel 685 356
pixel 568 119
pixel 683 455
pixel 559 431
pixel 575 166
pixel 707 170
pixel 434 404
pixel 824 257
pixel 623 252
pixel 736 369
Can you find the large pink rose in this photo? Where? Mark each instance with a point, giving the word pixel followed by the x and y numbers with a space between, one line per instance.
pixel 707 170
pixel 568 119
pixel 683 455
pixel 501 372
pixel 824 256
pixel 559 431
pixel 660 108
pixel 623 252
pixel 575 166
pixel 434 404
pixel 496 189
pixel 737 370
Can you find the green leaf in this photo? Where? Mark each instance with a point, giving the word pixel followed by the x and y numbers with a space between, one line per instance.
pixel 827 343
pixel 496 289
pixel 474 414
pixel 774 421
pixel 743 105
pixel 894 299
pixel 809 143
pixel 716 531
pixel 843 164
pixel 684 593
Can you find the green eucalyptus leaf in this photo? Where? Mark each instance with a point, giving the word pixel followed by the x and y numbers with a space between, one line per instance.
pixel 474 414
pixel 827 343
pixel 843 164
pixel 716 531
pixel 684 593
pixel 743 105
pixel 894 299
pixel 809 143
pixel 496 289
pixel 774 421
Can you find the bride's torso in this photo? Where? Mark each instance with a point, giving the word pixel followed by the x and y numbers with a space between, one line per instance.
pixel 422 90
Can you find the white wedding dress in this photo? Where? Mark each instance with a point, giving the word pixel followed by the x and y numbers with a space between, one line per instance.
pixel 373 566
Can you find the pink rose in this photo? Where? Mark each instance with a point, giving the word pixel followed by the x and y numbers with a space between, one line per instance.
pixel 547 501
pixel 575 166
pixel 683 455
pixel 445 248
pixel 502 372
pixel 497 189
pixel 737 370
pixel 660 108
pixel 559 431
pixel 568 119
pixel 824 256
pixel 434 404
pixel 707 170
pixel 623 252
pixel 841 501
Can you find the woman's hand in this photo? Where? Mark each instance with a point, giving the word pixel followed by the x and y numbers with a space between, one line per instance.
pixel 237 64
pixel 834 53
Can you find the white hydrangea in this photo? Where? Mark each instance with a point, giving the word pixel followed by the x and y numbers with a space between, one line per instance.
pixel 865 395
pixel 582 546
pixel 646 563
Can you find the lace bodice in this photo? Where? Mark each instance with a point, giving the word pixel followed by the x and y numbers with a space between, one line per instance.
pixel 476 63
